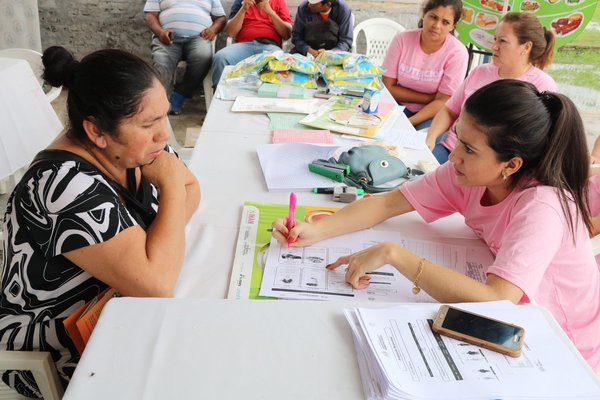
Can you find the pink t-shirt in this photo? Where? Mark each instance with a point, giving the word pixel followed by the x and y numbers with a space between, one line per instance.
pixel 441 71
pixel 481 76
pixel 534 249
pixel 594 200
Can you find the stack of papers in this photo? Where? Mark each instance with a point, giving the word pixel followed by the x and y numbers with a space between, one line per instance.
pixel 265 105
pixel 400 357
pixel 285 166
pixel 302 136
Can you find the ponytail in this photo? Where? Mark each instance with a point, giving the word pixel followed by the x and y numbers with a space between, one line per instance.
pixel 545 59
pixel 528 28
pixel 565 163
pixel 545 131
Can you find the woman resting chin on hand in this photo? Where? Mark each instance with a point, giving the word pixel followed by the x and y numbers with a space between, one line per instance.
pixel 104 205
pixel 518 176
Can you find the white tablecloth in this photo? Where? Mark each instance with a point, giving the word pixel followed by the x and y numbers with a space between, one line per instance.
pixel 28 122
pixel 226 164
pixel 197 346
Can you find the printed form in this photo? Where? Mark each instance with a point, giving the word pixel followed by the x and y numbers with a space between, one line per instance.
pixel 401 357
pixel 300 273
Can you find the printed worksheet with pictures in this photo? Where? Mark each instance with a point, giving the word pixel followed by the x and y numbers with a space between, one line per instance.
pixel 300 273
pixel 401 357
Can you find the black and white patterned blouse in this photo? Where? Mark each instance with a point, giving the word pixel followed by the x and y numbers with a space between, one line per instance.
pixel 60 205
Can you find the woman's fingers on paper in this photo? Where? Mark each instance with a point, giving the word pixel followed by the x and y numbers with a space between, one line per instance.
pixel 363 281
pixel 340 261
pixel 357 279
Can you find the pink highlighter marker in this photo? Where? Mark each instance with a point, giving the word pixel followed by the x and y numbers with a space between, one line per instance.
pixel 290 219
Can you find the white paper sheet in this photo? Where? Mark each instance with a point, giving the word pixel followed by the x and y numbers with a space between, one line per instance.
pixel 401 357
pixel 285 166
pixel 412 139
pixel 266 104
pixel 300 273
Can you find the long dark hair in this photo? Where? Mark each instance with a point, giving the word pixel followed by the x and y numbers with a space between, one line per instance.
pixel 105 87
pixel 433 4
pixel 545 130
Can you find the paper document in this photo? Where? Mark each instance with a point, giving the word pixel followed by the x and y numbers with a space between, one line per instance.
pixel 302 136
pixel 264 104
pixel 400 357
pixel 253 242
pixel 285 121
pixel 412 139
pixel 343 115
pixel 285 166
pixel 300 273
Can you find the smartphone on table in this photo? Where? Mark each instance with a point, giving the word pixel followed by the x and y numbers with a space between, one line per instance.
pixel 479 330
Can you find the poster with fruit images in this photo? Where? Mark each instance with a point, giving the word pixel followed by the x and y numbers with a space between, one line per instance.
pixel 567 18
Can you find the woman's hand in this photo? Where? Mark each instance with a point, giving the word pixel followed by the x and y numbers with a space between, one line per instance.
pixel 363 262
pixel 166 169
pixel 301 235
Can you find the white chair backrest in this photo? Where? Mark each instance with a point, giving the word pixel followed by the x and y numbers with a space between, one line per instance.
pixel 378 32
pixel 41 366
pixel 34 59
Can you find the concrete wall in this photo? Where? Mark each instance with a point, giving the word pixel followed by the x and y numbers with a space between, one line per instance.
pixel 87 25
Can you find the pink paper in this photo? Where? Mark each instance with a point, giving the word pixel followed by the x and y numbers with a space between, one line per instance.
pixel 302 136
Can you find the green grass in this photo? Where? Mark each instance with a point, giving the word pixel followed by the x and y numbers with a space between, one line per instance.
pixel 584 77
pixel 589 38
pixel 583 51
pixel 573 55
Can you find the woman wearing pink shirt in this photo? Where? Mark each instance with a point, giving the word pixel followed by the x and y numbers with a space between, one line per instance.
pixel 522 49
pixel 426 65
pixel 518 176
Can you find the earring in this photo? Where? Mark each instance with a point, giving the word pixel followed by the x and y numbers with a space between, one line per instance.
pixel 504 176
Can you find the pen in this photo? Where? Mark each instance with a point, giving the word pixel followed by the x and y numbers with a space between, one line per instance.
pixel 360 192
pixel 290 220
pixel 331 173
pixel 340 167
pixel 323 190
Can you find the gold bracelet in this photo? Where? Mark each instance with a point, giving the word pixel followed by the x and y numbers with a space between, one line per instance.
pixel 416 289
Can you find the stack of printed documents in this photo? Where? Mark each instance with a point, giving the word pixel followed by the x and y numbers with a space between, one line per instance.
pixel 400 357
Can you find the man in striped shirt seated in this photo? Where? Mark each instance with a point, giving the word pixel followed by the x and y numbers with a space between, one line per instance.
pixel 183 30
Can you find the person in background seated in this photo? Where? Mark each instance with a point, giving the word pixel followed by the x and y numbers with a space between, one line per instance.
pixel 257 26
pixel 322 25
pixel 518 176
pixel 594 192
pixel 425 66
pixel 105 205
pixel 522 49
pixel 183 30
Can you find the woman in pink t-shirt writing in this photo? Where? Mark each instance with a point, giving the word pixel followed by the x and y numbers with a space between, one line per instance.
pixel 426 65
pixel 521 50
pixel 518 176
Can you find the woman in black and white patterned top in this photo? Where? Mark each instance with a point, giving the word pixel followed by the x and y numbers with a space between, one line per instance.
pixel 86 215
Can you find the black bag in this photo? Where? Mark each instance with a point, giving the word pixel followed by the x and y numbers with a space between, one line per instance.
pixel 321 34
pixel 373 165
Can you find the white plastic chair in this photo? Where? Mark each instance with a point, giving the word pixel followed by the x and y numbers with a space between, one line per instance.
pixel 41 366
pixel 378 32
pixel 34 59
